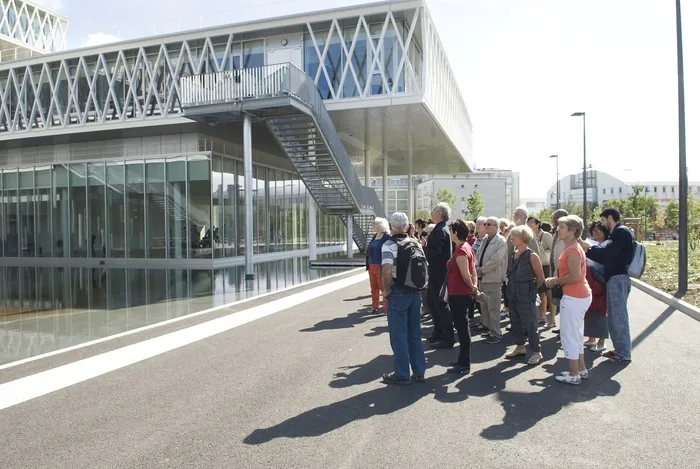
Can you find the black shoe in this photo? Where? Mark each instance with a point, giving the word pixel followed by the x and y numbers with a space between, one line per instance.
pixel 485 334
pixel 556 331
pixel 418 378
pixel 493 340
pixel 433 340
pixel 459 370
pixel 393 378
pixel 442 345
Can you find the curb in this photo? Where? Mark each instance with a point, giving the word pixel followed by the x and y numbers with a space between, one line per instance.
pixel 669 299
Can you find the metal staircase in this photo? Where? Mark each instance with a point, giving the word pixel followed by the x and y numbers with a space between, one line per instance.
pixel 292 108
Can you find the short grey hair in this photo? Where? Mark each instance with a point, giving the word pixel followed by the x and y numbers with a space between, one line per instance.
pixel 444 210
pixel 399 221
pixel 522 209
pixel 481 220
pixel 382 224
pixel 494 220
pixel 573 223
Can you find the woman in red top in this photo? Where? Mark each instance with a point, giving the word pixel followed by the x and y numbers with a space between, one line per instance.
pixel 595 324
pixel 461 286
pixel 576 299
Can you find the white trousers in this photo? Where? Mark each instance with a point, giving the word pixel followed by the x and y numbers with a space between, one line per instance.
pixel 572 311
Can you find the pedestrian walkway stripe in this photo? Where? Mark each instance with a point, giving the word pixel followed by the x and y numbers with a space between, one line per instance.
pixel 45 382
pixel 162 323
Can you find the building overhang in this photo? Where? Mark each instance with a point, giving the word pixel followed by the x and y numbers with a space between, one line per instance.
pixel 420 113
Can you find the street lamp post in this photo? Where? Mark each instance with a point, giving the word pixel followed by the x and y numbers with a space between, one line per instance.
pixel 585 182
pixel 558 183
pixel 682 170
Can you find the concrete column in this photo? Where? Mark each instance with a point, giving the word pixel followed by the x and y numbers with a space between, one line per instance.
pixel 368 176
pixel 385 185
pixel 411 198
pixel 248 172
pixel 312 229
pixel 350 242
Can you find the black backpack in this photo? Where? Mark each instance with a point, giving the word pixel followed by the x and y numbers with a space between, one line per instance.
pixel 411 264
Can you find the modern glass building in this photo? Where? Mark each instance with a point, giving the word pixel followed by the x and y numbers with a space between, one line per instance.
pixel 212 149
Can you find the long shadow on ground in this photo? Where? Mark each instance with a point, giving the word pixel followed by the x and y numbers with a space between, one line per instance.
pixel 344 322
pixel 523 410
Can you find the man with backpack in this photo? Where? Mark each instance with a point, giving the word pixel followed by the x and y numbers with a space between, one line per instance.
pixel 616 257
pixel 404 275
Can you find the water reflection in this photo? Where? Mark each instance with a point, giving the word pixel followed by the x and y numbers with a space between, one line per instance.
pixel 46 309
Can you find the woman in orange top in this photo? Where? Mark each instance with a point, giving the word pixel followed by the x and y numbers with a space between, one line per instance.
pixel 576 300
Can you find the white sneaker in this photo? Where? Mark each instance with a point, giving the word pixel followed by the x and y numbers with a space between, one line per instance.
pixel 583 374
pixel 565 377
pixel 598 348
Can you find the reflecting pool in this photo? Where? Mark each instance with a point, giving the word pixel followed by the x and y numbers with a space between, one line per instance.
pixel 43 309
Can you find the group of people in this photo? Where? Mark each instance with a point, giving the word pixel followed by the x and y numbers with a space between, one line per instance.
pixel 525 269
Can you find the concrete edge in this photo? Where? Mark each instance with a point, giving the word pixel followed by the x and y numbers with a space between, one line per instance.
pixel 669 299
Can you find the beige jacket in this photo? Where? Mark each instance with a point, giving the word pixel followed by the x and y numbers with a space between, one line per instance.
pixel 493 267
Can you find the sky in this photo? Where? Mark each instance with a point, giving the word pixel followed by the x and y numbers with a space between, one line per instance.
pixel 523 66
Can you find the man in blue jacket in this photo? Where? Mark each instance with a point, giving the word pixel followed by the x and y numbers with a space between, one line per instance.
pixel 616 257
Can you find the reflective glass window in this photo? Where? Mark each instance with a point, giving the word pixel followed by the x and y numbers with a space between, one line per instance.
pixel 230 207
pixel 26 212
pixel 96 210
pixel 136 209
pixel 155 209
pixel 116 244
pixel 11 214
pixel 42 196
pixel 60 200
pixel 176 203
pixel 217 214
pixel 199 195
pixel 78 210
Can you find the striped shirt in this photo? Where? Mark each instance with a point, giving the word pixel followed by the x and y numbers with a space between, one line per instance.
pixel 390 250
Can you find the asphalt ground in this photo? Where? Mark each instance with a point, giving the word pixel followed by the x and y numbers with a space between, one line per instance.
pixel 301 389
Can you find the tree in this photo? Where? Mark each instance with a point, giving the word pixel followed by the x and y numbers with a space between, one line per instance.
pixel 645 207
pixel 672 215
pixel 447 196
pixel 618 204
pixel 475 204
pixel 423 214
pixel 544 215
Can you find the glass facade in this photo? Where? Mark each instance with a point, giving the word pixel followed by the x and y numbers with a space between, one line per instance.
pixel 182 207
pixel 43 309
pixel 367 64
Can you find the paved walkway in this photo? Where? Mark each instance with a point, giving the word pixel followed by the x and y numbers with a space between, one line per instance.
pixel 300 389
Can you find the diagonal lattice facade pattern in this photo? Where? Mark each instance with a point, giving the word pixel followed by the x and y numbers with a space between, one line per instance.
pixel 30 26
pixel 354 57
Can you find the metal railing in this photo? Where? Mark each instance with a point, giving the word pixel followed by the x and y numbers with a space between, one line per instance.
pixel 17 53
pixel 280 80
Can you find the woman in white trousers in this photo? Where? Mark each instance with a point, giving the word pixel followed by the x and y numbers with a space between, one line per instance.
pixel 576 298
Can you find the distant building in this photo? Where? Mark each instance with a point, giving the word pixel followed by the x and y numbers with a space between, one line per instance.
pixel 534 205
pixel 500 189
pixel 602 187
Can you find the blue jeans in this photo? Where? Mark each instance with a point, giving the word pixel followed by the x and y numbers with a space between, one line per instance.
pixel 405 333
pixel 617 290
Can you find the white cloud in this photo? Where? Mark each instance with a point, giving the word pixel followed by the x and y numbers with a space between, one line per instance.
pixel 97 39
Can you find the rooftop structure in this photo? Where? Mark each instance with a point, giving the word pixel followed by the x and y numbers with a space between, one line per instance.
pixel 193 145
pixel 29 30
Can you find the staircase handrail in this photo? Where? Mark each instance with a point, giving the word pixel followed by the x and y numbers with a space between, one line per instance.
pixel 275 81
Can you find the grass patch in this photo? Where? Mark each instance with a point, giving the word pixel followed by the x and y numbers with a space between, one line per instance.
pixel 662 270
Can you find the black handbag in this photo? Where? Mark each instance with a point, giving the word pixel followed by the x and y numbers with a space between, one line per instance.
pixel 557 292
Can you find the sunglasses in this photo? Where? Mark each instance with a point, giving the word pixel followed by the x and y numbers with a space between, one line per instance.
pixel 490 224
